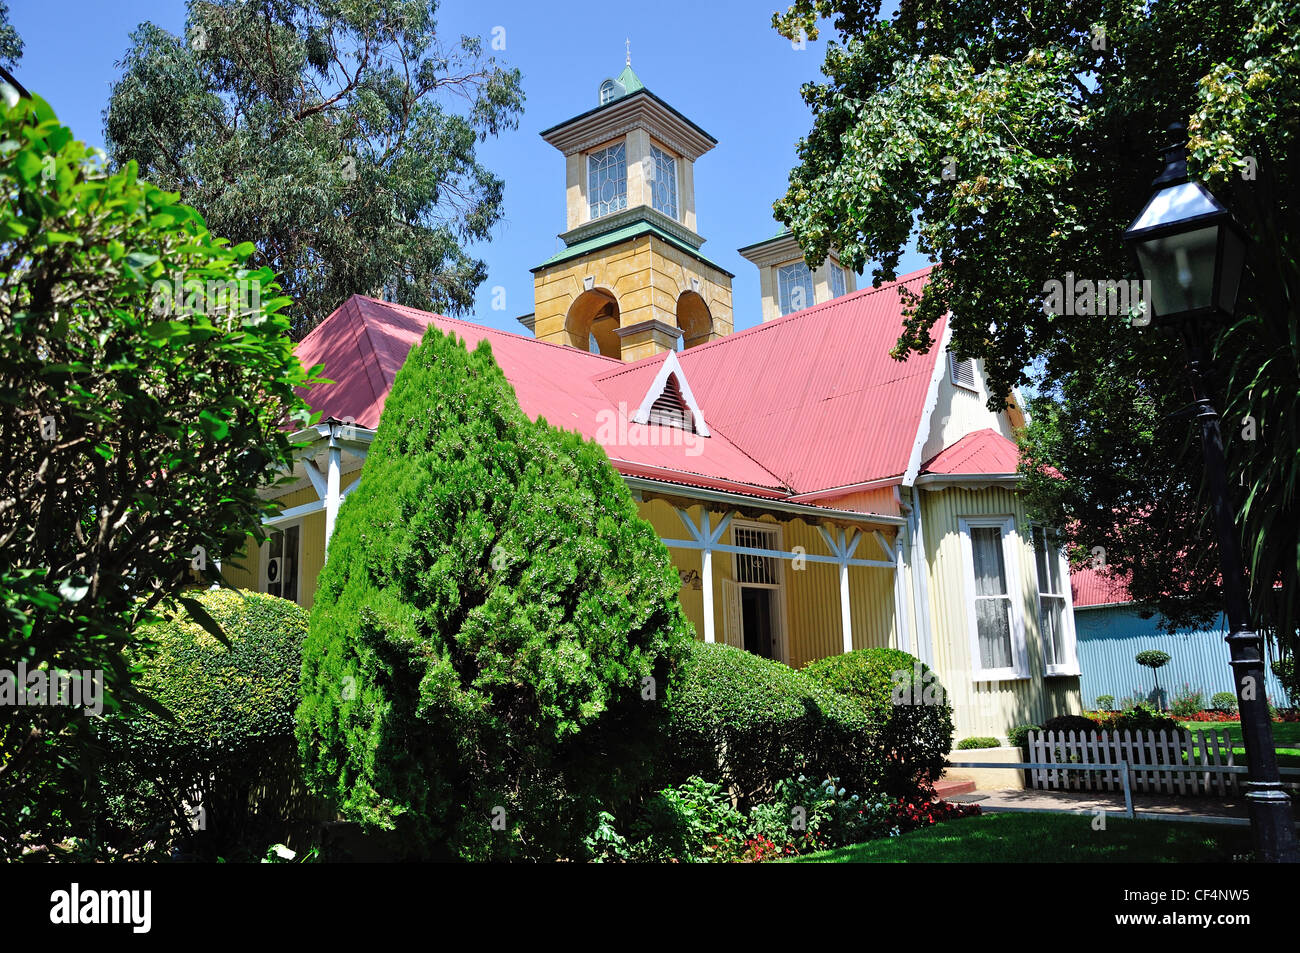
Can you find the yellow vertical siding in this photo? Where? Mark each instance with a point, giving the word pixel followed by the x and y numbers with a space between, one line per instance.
pixel 810 609
pixel 667 525
pixel 244 570
pixel 810 619
pixel 985 707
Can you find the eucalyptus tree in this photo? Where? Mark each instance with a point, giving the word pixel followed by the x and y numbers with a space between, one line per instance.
pixel 338 136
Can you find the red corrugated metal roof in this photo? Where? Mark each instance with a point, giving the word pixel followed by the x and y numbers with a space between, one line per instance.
pixel 984 451
pixel 815 396
pixel 1091 587
pixel 808 402
pixel 359 344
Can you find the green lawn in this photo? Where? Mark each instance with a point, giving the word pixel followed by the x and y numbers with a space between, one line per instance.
pixel 1286 738
pixel 1050 838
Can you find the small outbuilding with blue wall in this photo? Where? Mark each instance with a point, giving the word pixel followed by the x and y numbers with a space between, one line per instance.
pixel 1110 631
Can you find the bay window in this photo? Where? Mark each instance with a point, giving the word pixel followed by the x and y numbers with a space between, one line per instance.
pixel 1055 619
pixel 994 614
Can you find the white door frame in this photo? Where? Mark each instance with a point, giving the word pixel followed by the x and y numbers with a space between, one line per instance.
pixel 779 628
pixel 264 558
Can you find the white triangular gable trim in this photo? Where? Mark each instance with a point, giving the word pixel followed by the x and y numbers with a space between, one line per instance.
pixel 927 411
pixel 671 366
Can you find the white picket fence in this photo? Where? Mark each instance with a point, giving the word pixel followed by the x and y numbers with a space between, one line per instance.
pixel 1145 752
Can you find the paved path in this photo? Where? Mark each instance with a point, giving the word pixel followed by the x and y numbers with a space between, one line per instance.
pixel 1181 808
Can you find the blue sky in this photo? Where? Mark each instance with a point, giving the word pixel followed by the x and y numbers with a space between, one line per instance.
pixel 718 61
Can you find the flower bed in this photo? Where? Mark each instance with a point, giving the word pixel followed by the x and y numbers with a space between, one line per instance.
pixel 1289 715
pixel 913 814
pixel 907 815
pixel 697 822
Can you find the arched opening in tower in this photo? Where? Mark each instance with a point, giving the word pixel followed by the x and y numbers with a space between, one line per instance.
pixel 694 319
pixel 592 323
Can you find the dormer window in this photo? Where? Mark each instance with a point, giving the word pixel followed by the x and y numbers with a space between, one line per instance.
pixel 663 182
pixel 607 180
pixel 608 91
pixel 794 286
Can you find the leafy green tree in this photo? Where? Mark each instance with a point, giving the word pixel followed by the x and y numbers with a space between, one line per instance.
pixel 138 426
pixel 11 44
pixel 1016 143
pixel 487 661
pixel 324 130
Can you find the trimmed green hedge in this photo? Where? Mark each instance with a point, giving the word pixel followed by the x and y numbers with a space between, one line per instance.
pixel 1064 724
pixel 230 750
pixel 968 744
pixel 907 707
pixel 739 719
pixel 1019 735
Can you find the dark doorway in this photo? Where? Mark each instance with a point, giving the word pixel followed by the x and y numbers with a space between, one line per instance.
pixel 757 615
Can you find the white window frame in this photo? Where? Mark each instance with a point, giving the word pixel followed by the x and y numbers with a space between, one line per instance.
pixel 1011 542
pixel 1070 645
pixel 837 271
pixel 264 558
pixel 954 363
pixel 590 156
pixel 811 289
pixel 677 179
pixel 780 628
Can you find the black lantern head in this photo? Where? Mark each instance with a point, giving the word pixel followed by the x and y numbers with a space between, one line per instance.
pixel 1190 251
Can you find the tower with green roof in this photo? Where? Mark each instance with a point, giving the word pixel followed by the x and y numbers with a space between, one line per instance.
pixel 631 280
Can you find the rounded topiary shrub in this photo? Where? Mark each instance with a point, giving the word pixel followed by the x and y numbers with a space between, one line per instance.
pixel 1224 701
pixel 969 744
pixel 492 634
pixel 221 777
pixel 748 722
pixel 907 709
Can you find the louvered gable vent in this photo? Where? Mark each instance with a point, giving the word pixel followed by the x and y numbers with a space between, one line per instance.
pixel 670 410
pixel 669 401
pixel 963 372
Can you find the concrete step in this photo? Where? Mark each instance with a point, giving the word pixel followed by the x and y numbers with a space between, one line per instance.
pixel 947 787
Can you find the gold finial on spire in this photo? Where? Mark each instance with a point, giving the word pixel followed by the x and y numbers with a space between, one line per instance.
pixel 628 41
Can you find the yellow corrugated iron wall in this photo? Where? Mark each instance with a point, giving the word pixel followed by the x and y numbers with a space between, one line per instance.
pixel 311 550
pixel 813 597
pixel 811 617
pixel 666 523
pixel 242 571
pixel 313 554
pixel 985 707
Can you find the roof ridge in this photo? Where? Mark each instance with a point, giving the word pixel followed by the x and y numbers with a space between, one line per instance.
pixel 483 327
pixel 371 362
pixel 807 312
pixel 638 364
pixel 365 330
pixel 781 481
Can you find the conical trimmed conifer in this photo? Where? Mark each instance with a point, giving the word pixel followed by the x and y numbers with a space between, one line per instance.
pixel 486 626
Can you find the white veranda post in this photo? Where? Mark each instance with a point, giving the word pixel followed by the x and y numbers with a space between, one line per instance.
pixel 332 494
pixel 706 572
pixel 842 551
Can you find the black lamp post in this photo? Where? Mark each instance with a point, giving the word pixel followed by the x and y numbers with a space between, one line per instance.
pixel 1191 254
